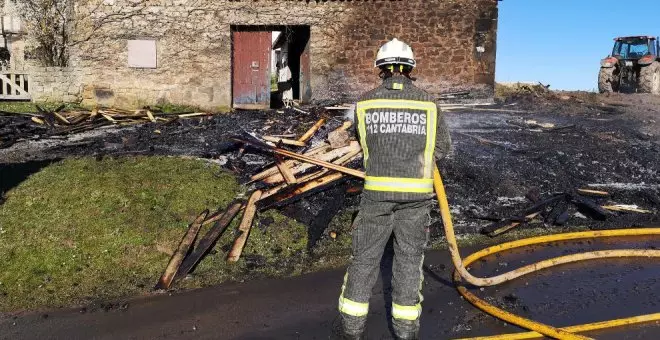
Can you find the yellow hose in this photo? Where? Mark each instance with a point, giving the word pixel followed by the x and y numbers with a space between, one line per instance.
pixel 538 329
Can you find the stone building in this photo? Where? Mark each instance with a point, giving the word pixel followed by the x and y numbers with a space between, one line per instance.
pixel 216 53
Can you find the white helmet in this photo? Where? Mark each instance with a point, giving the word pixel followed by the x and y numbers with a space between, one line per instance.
pixel 395 52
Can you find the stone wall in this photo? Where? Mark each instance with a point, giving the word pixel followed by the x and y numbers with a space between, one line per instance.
pixel 454 41
pixel 54 84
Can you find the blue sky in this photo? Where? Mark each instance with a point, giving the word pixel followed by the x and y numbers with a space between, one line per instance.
pixel 561 42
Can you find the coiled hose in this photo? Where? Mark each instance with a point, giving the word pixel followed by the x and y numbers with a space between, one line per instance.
pixel 538 330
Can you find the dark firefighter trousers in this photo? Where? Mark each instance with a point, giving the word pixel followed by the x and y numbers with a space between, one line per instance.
pixel 373 226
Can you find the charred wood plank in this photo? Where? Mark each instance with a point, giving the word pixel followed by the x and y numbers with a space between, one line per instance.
pixel 310 133
pixel 590 208
pixel 188 239
pixel 244 227
pixel 300 157
pixel 294 193
pixel 207 242
pixel 499 228
pixel 278 140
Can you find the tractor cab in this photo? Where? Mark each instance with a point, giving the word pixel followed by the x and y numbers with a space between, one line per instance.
pixel 633 65
pixel 634 48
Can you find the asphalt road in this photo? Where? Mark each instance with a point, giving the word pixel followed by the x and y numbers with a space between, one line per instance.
pixel 304 307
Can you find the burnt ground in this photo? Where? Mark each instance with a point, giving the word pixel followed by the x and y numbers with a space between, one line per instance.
pixel 498 163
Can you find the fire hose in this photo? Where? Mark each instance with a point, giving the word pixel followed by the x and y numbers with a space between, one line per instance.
pixel 538 330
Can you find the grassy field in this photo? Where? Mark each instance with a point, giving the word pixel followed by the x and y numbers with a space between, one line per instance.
pixel 82 231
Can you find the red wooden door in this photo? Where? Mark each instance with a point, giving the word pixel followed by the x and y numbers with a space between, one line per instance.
pixel 251 69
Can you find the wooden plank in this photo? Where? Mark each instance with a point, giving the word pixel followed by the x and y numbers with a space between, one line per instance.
pixel 345 126
pixel 286 172
pixel 61 118
pixel 290 163
pixel 244 227
pixel 499 228
pixel 297 192
pixel 109 118
pixel 348 171
pixel 340 161
pixel 310 133
pixel 326 157
pixel 190 115
pixel 284 141
pixel 188 239
pixel 151 116
pixel 207 242
pixel 626 208
pixel 589 192
pixel 38 120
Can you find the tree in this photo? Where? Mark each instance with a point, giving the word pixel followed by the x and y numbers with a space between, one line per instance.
pixel 55 27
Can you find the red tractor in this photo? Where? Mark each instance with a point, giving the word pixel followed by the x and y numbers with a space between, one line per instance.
pixel 634 65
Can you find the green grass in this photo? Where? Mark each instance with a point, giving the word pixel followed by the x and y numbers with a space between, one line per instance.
pixel 83 230
pixel 175 108
pixel 30 107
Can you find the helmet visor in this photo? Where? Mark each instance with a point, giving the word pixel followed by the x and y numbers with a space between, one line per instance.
pixel 395 60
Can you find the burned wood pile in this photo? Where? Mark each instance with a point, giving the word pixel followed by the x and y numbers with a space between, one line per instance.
pixel 299 170
pixel 15 127
pixel 559 208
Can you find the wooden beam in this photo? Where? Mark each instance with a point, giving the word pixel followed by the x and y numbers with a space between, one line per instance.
pixel 589 192
pixel 277 140
pixel 347 124
pixel 286 172
pixel 184 246
pixel 207 242
pixel 244 227
pixel 326 157
pixel 300 190
pixel 310 133
pixel 304 158
pixel 340 161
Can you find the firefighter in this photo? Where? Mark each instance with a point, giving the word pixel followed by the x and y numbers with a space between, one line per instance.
pixel 402 133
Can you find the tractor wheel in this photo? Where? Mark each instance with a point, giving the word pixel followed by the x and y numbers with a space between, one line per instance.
pixel 649 78
pixel 608 80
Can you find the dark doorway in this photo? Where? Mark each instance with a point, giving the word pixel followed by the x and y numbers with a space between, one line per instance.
pixel 256 65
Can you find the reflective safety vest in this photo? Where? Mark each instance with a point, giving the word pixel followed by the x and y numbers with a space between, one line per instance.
pixel 398 138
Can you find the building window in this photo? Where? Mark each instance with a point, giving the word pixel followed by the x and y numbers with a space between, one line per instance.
pixel 142 53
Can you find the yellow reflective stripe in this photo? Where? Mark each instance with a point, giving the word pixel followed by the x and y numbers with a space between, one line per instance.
pixel 417 185
pixel 397 86
pixel 406 312
pixel 353 308
pixel 431 127
pixel 399 179
pixel 411 312
pixel 396 104
pixel 362 129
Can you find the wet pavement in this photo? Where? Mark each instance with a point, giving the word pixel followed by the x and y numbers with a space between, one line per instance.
pixel 304 307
